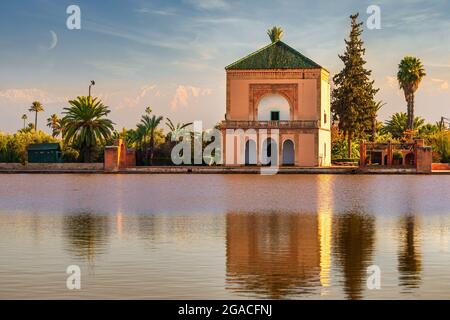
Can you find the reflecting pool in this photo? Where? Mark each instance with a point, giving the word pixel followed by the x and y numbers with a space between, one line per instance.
pixel 225 236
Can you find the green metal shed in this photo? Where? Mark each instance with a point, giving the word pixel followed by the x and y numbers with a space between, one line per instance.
pixel 44 153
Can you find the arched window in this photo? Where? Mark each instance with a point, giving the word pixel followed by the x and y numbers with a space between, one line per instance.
pixel 273 107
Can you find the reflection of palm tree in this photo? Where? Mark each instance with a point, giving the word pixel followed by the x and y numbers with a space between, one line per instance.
pixel 409 257
pixel 354 242
pixel 86 234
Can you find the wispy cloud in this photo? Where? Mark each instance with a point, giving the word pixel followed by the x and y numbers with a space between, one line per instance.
pixel 184 93
pixel 443 84
pixel 437 65
pixel 138 36
pixel 209 4
pixel 160 12
pixel 30 95
pixel 144 92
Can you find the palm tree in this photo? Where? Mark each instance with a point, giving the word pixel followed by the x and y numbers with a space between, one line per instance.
pixel 148 110
pixel 275 34
pixel 36 107
pixel 141 136
pixel 85 125
pixel 24 118
pixel 176 130
pixel 54 123
pixel 410 74
pixel 150 124
pixel 398 123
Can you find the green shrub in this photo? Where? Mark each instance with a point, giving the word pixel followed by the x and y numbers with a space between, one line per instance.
pixel 339 146
pixel 397 156
pixel 70 155
pixel 440 143
pixel 347 160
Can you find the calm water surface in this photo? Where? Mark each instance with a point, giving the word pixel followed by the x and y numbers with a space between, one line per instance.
pixel 224 236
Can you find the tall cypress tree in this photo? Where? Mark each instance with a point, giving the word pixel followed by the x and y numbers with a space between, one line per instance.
pixel 353 101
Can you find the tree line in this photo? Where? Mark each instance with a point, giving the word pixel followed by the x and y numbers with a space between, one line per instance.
pixel 84 130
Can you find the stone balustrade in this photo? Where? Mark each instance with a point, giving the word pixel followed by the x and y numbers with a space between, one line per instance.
pixel 283 124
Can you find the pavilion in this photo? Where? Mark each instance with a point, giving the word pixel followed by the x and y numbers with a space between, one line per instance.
pixel 280 100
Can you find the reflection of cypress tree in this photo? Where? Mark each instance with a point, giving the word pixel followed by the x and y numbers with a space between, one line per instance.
pixel 353 242
pixel 86 234
pixel 409 257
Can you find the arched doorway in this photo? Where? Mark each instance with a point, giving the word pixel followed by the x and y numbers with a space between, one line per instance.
pixel 269 156
pixel 409 159
pixel 250 152
pixel 288 153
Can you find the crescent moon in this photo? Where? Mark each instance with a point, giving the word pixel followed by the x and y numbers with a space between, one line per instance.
pixel 54 40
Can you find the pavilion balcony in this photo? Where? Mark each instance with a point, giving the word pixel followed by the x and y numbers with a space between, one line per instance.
pixel 283 124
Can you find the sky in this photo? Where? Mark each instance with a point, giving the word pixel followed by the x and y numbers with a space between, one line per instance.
pixel 171 55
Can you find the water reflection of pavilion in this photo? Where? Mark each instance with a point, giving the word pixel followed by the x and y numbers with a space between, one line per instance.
pixel 272 255
pixel 276 255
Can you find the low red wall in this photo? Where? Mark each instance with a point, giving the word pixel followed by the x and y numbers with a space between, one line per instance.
pixel 119 157
pixel 441 166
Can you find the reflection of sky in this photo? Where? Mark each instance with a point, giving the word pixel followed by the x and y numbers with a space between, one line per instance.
pixel 204 194
pixel 171 54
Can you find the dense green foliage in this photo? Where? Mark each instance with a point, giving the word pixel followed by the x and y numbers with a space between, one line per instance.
pixel 13 147
pixel 353 103
pixel 339 146
pixel 398 124
pixel 393 130
pixel 440 142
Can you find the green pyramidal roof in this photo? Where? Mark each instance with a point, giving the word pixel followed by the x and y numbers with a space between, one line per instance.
pixel 276 55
